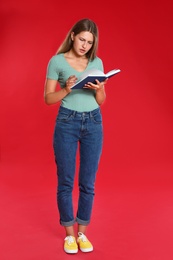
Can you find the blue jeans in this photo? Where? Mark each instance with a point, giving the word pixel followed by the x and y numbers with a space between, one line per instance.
pixel 73 128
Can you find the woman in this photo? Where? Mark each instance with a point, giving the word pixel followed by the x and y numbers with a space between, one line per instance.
pixel 79 122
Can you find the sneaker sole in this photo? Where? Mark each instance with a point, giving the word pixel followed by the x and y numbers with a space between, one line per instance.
pixel 86 250
pixel 71 251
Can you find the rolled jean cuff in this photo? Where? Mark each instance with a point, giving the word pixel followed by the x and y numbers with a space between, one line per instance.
pixel 82 222
pixel 68 224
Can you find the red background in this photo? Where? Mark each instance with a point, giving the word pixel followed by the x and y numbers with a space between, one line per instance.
pixel 137 114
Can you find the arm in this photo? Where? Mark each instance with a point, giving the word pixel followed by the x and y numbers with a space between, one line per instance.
pixel 51 96
pixel 100 95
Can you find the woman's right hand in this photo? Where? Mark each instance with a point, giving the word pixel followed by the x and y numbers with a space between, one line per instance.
pixel 70 82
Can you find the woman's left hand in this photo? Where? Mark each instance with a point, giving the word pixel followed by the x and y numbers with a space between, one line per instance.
pixel 96 87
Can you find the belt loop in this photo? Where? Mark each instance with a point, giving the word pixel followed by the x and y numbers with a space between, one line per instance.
pixel 74 112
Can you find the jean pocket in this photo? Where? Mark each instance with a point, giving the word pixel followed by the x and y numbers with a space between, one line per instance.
pixel 63 116
pixel 97 118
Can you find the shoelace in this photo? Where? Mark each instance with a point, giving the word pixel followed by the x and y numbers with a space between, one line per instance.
pixel 82 237
pixel 69 239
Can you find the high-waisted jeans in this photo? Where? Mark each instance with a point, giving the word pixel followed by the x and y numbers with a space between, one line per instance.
pixel 73 128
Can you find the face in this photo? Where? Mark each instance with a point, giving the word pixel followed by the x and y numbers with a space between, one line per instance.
pixel 82 42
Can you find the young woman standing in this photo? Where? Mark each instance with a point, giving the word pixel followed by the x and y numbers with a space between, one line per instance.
pixel 79 122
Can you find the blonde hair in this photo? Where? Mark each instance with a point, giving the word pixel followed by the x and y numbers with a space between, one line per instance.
pixel 81 26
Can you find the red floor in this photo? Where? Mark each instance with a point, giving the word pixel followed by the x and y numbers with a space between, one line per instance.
pixel 131 220
pixel 133 210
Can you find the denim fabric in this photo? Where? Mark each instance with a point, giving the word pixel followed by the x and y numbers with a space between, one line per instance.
pixel 73 128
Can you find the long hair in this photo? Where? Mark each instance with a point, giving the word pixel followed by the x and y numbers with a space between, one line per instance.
pixel 82 25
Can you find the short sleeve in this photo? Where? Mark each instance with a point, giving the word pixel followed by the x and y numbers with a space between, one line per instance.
pixel 52 71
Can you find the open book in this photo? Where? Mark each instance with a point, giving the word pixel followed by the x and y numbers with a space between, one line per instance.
pixel 92 75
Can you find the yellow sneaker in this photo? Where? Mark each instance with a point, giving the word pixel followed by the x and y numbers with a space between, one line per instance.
pixel 84 244
pixel 70 245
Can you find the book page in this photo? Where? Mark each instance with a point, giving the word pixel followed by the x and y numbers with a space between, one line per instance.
pixel 92 72
pixel 112 72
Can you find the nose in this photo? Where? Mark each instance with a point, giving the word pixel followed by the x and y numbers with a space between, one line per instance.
pixel 84 45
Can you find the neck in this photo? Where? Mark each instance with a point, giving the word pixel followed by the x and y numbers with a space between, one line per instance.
pixel 72 55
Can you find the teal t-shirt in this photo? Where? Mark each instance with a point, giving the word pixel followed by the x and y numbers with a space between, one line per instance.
pixel 81 100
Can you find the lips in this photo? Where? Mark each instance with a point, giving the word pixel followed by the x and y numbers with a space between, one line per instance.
pixel 81 50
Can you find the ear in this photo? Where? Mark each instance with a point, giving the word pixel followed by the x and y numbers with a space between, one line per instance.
pixel 72 36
